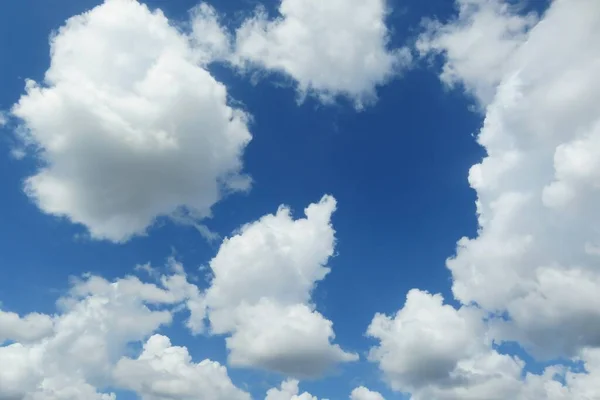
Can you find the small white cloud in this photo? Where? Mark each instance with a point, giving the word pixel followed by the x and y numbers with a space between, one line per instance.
pixel 362 393
pixel 289 390
pixel 210 40
pixel 166 372
pixel 330 48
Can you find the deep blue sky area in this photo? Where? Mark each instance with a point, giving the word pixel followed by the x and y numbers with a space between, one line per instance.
pixel 398 170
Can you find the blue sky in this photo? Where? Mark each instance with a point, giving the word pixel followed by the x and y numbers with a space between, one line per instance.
pixel 399 170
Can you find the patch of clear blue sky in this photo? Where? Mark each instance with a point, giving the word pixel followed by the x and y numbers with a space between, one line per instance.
pixel 398 170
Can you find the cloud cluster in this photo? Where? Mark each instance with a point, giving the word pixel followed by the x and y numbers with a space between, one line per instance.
pixel 535 259
pixel 128 124
pixel 81 349
pixel 329 48
pixel 87 345
pixel 260 295
pixel 261 289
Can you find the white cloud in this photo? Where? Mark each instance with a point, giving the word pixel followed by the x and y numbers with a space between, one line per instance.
pixel 210 40
pixel 537 189
pixel 128 123
pixel 292 339
pixel 429 344
pixel 66 388
pixel 88 346
pixel 330 48
pixel 537 211
pixel 165 372
pixel 362 393
pixel 488 29
pixel 289 391
pixel 437 352
pixel 261 292
pixel 29 328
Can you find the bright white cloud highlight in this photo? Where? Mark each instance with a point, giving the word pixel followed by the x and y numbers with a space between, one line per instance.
pixel 261 291
pixel 128 124
pixel 329 48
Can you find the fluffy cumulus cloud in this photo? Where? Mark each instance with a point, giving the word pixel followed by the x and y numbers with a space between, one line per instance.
pixel 362 393
pixel 435 351
pixel 537 188
pixel 289 390
pixel 260 293
pixel 424 341
pixel 31 327
pixel 165 372
pixel 535 258
pixel 128 125
pixel 81 350
pixel 329 48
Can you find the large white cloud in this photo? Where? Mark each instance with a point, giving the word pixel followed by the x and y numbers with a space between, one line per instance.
pixel 261 290
pixel 88 346
pixel 535 257
pixel 537 188
pixel 330 48
pixel 128 124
